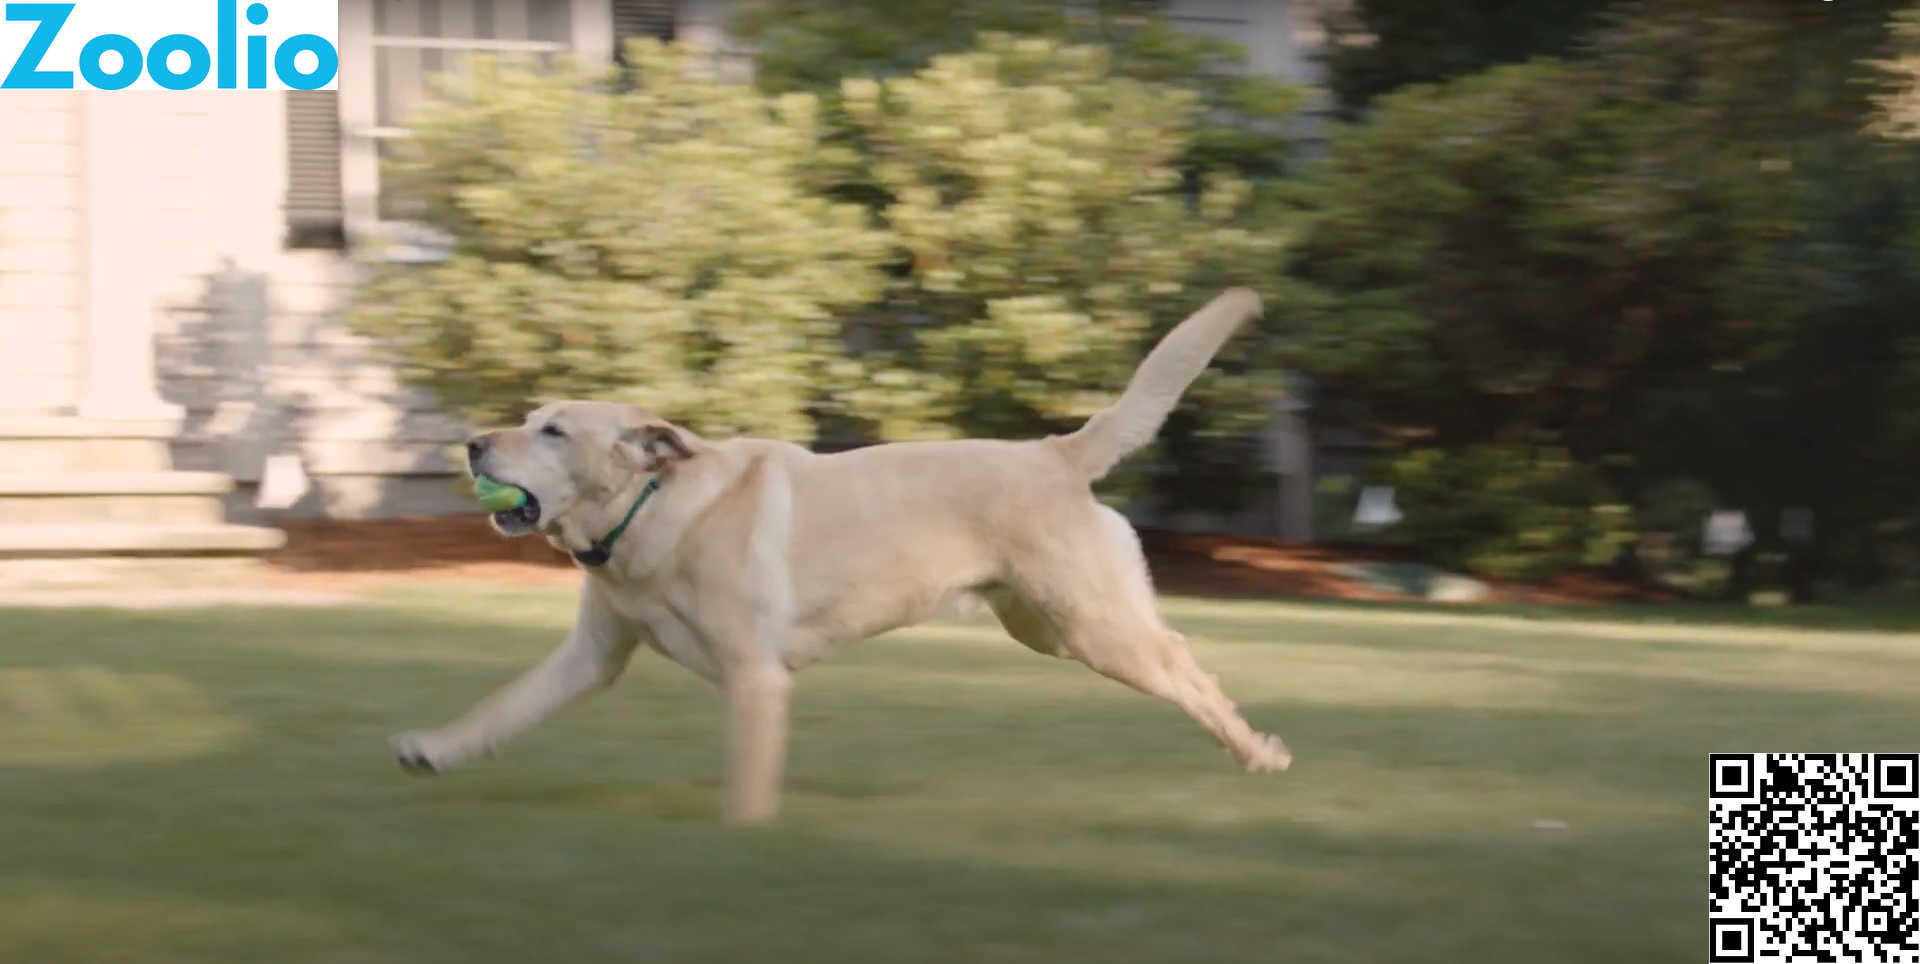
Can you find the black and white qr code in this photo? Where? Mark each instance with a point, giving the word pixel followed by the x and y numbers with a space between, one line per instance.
pixel 1811 857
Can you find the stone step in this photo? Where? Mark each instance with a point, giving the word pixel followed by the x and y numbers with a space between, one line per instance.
pixel 113 483
pixel 84 454
pixel 125 509
pixel 155 539
pixel 128 497
pixel 14 425
pixel 57 443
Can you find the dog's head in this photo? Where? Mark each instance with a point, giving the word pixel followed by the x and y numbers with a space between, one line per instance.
pixel 574 456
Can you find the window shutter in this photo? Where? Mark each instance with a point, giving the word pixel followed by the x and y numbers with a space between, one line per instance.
pixel 315 215
pixel 641 18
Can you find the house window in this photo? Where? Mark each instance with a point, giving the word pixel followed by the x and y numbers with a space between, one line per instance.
pixel 335 139
pixel 643 18
pixel 390 49
pixel 413 40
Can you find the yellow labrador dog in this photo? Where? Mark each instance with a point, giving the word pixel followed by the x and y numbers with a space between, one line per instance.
pixel 746 559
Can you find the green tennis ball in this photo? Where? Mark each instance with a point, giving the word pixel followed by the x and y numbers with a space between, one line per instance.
pixel 498 496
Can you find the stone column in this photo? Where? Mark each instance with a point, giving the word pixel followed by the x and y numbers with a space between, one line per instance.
pixel 702 25
pixel 1290 458
pixel 117 368
pixel 592 31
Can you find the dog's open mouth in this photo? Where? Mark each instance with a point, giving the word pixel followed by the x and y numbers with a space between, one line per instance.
pixel 521 519
pixel 526 518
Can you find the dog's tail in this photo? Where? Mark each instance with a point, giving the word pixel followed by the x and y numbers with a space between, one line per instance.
pixel 1157 384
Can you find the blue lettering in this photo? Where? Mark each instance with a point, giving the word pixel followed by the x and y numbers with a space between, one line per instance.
pixel 26 73
pixel 221 60
pixel 256 49
pixel 228 42
pixel 323 72
pixel 129 62
pixel 199 62
pixel 256 62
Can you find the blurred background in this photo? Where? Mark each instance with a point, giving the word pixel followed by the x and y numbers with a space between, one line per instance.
pixel 1581 294
pixel 1597 312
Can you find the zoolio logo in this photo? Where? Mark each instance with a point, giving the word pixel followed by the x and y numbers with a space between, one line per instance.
pixel 171 45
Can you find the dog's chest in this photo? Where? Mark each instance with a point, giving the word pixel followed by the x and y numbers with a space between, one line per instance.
pixel 665 632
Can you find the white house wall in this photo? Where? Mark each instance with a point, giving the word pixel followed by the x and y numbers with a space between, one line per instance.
pixel 42 251
pixel 250 338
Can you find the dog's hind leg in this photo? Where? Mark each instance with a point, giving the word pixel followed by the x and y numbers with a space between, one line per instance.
pixel 1096 605
pixel 1155 660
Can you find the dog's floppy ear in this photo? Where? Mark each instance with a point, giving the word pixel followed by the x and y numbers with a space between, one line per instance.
pixel 653 446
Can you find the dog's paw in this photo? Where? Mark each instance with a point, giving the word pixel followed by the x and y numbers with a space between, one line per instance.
pixel 1270 756
pixel 416 753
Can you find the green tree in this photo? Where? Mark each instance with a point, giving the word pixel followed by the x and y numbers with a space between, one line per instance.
pixel 669 239
pixel 1378 46
pixel 809 46
pixel 1509 512
pixel 654 239
pixel 1897 117
pixel 1232 122
pixel 1897 104
pixel 1047 237
pixel 1676 254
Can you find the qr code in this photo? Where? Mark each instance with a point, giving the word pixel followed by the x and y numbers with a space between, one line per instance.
pixel 1812 857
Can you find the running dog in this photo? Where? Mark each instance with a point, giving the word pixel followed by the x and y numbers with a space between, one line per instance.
pixel 747 559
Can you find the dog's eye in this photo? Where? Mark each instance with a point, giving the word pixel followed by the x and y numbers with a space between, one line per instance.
pixel 553 430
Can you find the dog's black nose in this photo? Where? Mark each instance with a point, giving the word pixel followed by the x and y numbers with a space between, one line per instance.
pixel 476 447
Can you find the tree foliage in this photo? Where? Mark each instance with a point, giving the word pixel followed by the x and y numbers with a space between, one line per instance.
pixel 677 241
pixel 810 46
pixel 1897 104
pixel 1676 254
pixel 1379 46
pixel 1509 512
pixel 654 241
pixel 1675 266
pixel 1036 197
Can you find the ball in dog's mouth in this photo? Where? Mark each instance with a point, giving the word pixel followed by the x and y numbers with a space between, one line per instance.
pixel 514 509
pixel 523 518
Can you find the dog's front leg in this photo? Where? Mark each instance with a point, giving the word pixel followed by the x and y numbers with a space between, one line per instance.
pixel 757 699
pixel 595 652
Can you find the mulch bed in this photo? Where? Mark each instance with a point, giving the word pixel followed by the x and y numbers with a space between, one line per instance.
pixel 356 553
pixel 1232 566
pixel 337 553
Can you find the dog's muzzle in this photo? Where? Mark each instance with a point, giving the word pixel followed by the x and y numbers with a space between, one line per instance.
pixel 521 519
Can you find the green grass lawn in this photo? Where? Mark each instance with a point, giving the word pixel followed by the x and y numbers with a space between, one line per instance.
pixel 213 785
